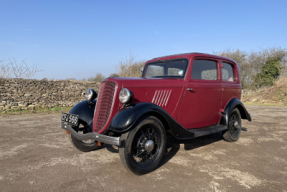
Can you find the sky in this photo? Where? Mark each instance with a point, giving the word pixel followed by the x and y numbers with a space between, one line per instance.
pixel 79 38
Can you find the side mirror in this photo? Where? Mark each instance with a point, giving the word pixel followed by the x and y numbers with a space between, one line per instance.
pixel 142 69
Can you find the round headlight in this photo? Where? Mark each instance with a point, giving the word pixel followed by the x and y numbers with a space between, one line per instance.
pixel 90 94
pixel 125 96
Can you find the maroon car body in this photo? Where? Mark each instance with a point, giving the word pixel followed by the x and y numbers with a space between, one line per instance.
pixel 184 95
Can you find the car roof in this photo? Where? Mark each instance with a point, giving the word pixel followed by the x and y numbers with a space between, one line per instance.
pixel 194 54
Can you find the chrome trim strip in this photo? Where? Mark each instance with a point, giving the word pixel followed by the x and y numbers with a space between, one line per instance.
pixel 154 96
pixel 163 97
pixel 169 94
pixel 160 97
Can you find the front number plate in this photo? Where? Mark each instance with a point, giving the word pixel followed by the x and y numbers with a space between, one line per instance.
pixel 71 119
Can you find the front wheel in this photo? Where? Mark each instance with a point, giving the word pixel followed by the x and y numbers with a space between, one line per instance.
pixel 143 146
pixel 234 126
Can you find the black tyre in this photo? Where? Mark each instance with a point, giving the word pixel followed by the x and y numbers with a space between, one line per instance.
pixel 84 146
pixel 234 126
pixel 144 146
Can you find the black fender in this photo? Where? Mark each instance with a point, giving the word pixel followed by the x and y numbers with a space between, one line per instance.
pixel 124 120
pixel 234 103
pixel 85 110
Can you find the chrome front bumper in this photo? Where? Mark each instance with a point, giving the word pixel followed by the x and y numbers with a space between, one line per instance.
pixel 95 136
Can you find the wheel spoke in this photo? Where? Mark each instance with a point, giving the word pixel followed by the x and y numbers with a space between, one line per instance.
pixel 145 157
pixel 150 133
pixel 139 153
pixel 152 136
pixel 144 134
pixel 138 147
pixel 233 118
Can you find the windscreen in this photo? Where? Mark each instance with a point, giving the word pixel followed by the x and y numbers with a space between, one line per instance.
pixel 166 69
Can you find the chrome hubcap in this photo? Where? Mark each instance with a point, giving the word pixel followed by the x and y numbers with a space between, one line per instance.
pixel 149 146
pixel 236 125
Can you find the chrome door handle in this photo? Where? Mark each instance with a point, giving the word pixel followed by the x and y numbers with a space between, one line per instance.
pixel 189 89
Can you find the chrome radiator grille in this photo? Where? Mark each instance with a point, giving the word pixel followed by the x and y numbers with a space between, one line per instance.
pixel 104 105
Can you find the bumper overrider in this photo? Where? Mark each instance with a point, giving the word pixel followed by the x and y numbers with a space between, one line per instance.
pixel 94 136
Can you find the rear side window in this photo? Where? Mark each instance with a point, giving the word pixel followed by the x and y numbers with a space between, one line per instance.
pixel 204 69
pixel 227 72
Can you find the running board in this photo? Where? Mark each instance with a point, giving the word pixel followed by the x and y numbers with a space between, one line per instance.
pixel 207 130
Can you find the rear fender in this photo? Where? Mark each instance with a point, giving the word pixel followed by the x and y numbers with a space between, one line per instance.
pixel 85 110
pixel 234 103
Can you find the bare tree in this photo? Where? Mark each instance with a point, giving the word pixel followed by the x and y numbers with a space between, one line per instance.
pixel 129 67
pixel 14 70
pixel 4 69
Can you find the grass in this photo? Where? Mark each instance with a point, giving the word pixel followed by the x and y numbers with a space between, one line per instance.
pixel 38 110
pixel 264 104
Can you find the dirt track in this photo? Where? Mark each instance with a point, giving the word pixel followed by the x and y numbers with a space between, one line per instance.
pixel 35 154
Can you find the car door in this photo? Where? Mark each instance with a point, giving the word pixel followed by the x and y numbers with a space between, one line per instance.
pixel 202 99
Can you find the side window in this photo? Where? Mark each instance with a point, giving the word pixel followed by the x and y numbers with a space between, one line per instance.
pixel 227 72
pixel 204 69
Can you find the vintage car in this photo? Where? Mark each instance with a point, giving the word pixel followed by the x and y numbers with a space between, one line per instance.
pixel 185 96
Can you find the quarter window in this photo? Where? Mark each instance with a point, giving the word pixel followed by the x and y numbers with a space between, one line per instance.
pixel 227 72
pixel 204 69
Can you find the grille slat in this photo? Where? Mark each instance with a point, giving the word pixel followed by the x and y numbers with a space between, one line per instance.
pixel 104 105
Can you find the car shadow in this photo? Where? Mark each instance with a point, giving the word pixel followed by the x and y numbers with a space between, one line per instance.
pixel 173 145
pixel 244 129
pixel 112 148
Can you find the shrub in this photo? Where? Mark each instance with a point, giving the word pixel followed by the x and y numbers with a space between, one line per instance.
pixel 114 75
pixel 98 78
pixel 269 73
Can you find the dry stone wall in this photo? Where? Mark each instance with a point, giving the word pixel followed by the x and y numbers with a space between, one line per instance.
pixel 31 94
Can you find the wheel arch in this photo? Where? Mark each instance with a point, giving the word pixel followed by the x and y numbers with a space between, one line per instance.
pixel 242 111
pixel 125 120
pixel 232 104
pixel 160 117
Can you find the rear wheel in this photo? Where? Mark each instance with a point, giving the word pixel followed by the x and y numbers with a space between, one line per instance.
pixel 234 126
pixel 143 146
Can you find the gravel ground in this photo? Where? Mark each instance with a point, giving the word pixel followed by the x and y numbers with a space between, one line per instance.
pixel 36 155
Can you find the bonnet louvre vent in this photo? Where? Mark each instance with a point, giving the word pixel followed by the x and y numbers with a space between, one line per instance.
pixel 161 97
